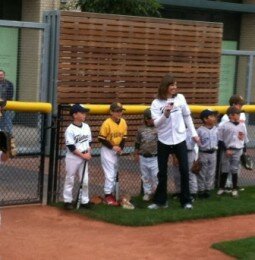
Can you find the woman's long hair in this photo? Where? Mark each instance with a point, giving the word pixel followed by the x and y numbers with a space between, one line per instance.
pixel 167 80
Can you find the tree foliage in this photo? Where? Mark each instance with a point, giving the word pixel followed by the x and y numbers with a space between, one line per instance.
pixel 125 7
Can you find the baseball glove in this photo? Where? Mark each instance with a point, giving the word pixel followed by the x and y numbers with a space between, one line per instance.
pixel 196 166
pixel 125 202
pixel 96 200
pixel 247 161
pixel 7 144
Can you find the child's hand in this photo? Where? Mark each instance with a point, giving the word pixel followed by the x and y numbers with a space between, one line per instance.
pixel 117 149
pixel 86 156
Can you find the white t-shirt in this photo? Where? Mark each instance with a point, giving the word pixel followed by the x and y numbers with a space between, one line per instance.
pixel 80 137
pixel 172 130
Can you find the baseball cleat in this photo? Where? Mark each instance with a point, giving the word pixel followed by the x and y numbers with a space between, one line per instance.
pixel 111 201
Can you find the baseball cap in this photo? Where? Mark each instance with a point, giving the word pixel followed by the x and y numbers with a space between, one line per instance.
pixel 207 112
pixel 233 110
pixel 147 113
pixel 78 108
pixel 116 106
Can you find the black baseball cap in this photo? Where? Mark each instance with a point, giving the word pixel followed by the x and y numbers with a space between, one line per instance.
pixel 147 113
pixel 207 112
pixel 233 110
pixel 78 108
pixel 116 106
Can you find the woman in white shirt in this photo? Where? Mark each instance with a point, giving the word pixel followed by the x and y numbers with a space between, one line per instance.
pixel 171 116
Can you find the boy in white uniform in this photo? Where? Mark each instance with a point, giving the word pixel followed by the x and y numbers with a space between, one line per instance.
pixel 208 147
pixel 78 139
pixel 237 101
pixel 233 136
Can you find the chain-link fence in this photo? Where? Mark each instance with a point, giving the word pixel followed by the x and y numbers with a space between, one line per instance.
pixel 21 177
pixel 129 173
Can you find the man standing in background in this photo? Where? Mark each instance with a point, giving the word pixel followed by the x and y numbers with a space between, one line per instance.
pixel 6 93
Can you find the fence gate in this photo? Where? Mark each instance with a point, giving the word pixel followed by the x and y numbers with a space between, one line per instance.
pixel 24 58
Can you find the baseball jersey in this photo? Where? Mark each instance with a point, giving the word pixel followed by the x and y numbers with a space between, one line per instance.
pixel 172 130
pixel 146 140
pixel 208 138
pixel 113 132
pixel 233 135
pixel 79 136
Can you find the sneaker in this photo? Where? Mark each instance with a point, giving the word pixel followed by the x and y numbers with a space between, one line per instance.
pixel 158 206
pixel 68 206
pixel 146 197
pixel 220 192
pixel 235 193
pixel 188 206
pixel 88 205
pixel 110 200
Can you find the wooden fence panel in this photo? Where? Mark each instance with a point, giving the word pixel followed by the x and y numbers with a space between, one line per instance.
pixel 109 57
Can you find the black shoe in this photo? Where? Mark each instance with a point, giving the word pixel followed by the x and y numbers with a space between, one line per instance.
pixel 88 205
pixel 68 206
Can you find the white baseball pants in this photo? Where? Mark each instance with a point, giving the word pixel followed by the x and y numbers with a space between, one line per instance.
pixel 74 166
pixel 149 173
pixel 109 161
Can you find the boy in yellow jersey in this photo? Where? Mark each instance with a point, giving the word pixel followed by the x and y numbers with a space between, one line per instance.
pixel 112 135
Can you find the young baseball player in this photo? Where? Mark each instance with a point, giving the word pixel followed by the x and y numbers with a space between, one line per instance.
pixel 237 101
pixel 78 139
pixel 233 136
pixel 146 154
pixel 192 154
pixel 112 135
pixel 208 146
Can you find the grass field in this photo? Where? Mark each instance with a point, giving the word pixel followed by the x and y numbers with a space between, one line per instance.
pixel 215 206
pixel 241 249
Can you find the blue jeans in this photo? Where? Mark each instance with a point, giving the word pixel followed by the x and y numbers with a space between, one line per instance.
pixel 6 121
